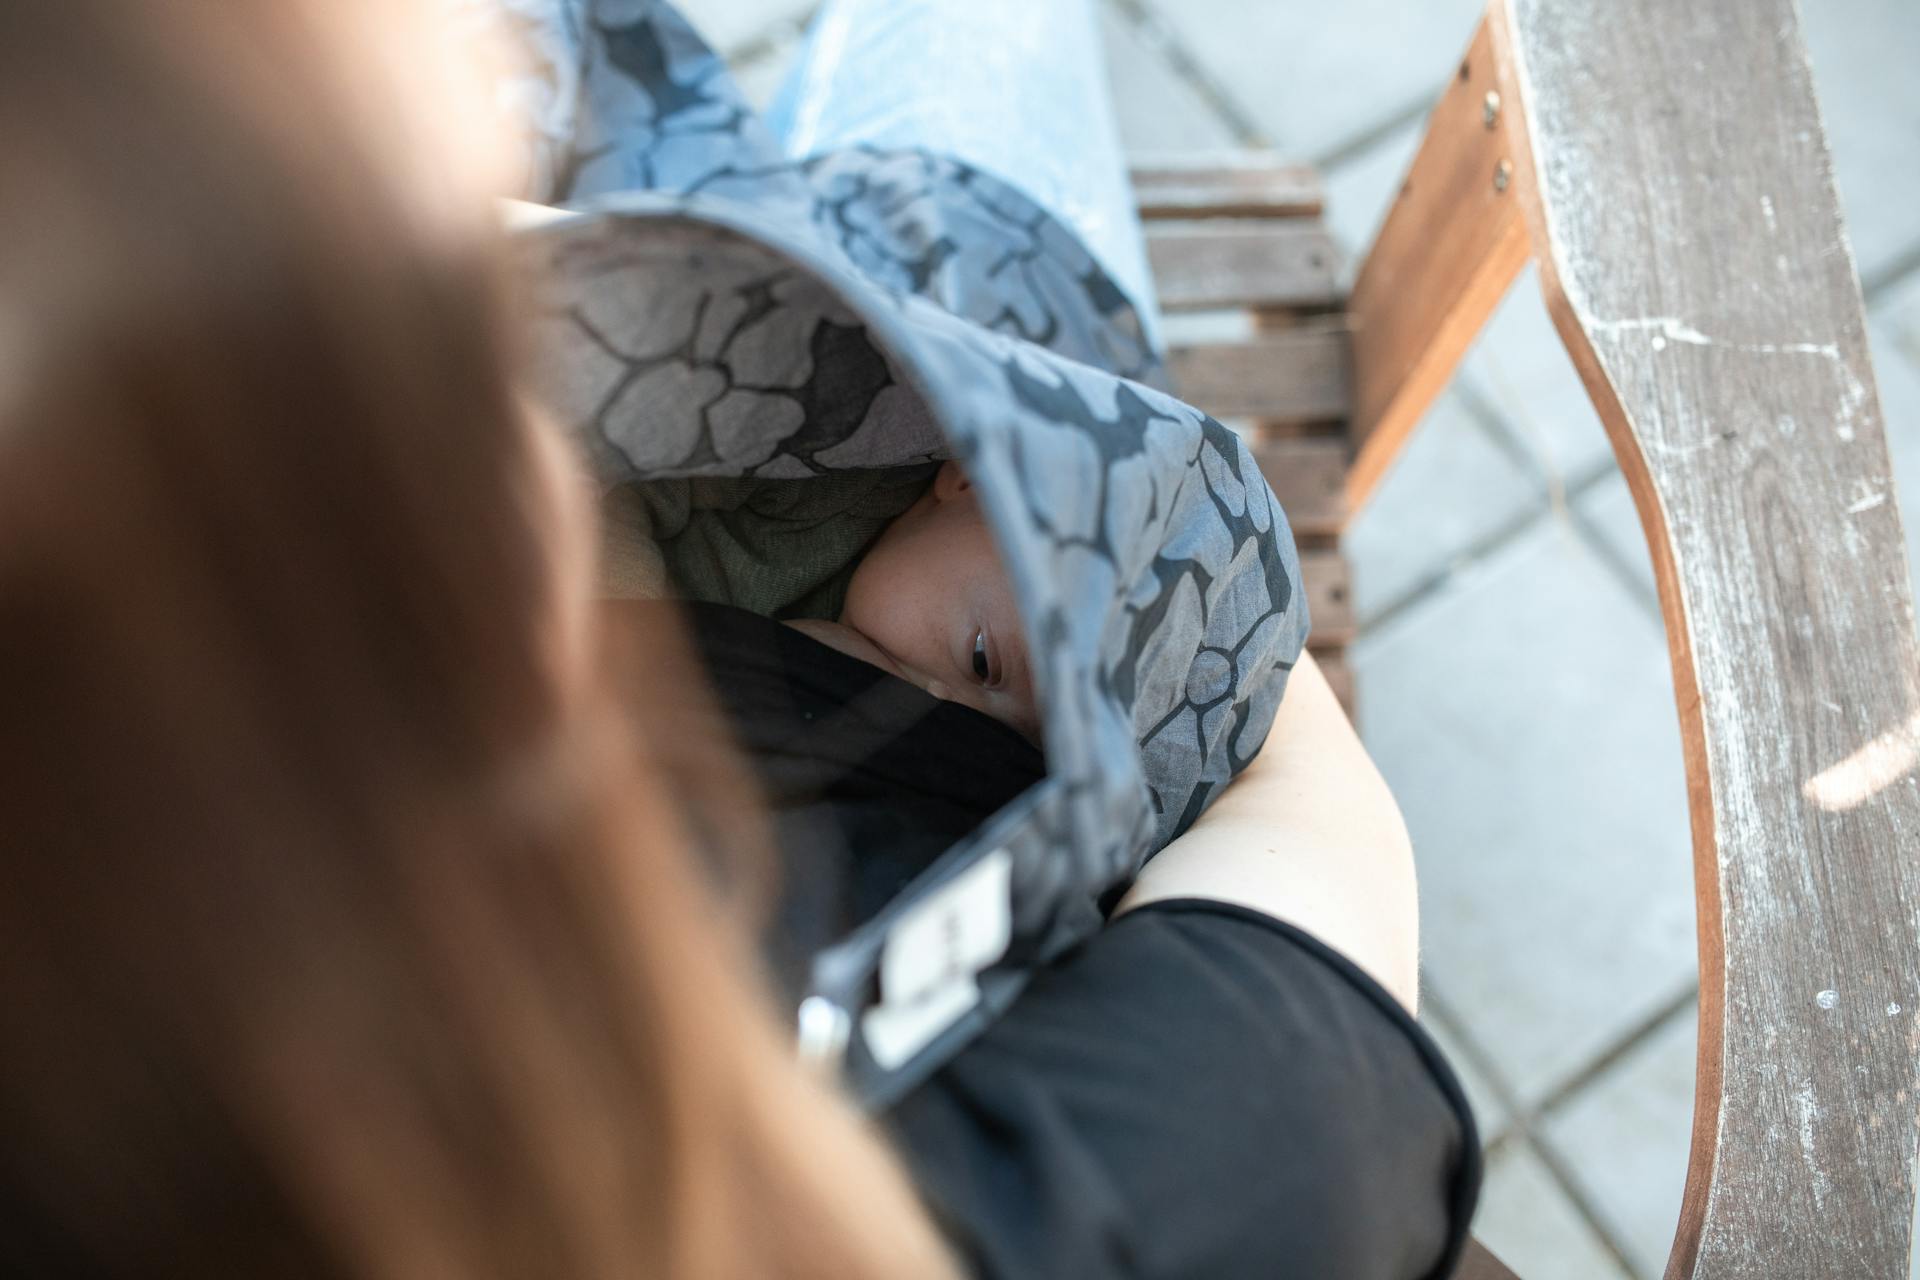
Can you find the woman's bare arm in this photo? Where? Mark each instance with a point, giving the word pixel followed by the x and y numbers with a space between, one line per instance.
pixel 1308 833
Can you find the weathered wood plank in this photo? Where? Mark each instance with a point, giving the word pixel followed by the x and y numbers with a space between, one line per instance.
pixel 1222 263
pixel 1309 476
pixel 1327 582
pixel 1679 190
pixel 1290 376
pixel 1451 244
pixel 1234 184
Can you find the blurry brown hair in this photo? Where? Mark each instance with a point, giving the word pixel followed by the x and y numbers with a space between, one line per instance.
pixel 340 933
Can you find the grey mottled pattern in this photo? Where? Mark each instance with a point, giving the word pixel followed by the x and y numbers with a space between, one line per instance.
pixel 713 309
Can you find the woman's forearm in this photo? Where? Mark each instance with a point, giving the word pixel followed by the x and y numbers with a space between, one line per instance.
pixel 1309 834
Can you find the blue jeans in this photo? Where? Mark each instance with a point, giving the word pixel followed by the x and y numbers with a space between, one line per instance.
pixel 1017 88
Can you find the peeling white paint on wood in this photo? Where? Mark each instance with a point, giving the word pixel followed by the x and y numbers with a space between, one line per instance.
pixel 1663 330
pixel 1693 245
pixel 1868 503
pixel 1809 1111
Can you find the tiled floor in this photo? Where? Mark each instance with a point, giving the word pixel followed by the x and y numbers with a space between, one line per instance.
pixel 1515 687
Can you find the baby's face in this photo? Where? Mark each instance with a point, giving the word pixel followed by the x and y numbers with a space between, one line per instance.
pixel 932 596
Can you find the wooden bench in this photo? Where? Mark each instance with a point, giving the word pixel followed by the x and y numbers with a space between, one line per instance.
pixel 1666 166
pixel 1239 236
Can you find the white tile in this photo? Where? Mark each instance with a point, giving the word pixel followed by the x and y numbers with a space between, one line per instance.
pixel 1157 111
pixel 1530 1224
pixel 1450 489
pixel 1624 1138
pixel 1360 189
pixel 1524 717
pixel 1490 1114
pixel 1607 509
pixel 1520 367
pixel 1898 309
pixel 1865 57
pixel 1314 76
pixel 1895 335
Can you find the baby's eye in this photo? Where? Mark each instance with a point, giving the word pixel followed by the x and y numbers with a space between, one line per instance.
pixel 982 668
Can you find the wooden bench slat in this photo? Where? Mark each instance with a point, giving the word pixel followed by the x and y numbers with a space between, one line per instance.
pixel 1309 476
pixel 1298 375
pixel 1230 185
pixel 1202 265
pixel 1329 598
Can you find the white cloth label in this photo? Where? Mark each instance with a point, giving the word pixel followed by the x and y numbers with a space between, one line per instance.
pixel 895 1032
pixel 963 927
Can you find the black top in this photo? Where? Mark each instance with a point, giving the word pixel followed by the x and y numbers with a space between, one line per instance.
pixel 1198 1090
pixel 868 778
pixel 1201 1091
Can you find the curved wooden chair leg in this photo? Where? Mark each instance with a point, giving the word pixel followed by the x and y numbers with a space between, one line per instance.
pixel 1679 196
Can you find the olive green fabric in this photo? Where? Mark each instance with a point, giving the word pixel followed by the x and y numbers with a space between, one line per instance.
pixel 783 548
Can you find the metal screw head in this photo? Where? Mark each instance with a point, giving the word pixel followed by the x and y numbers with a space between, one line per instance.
pixel 1490 109
pixel 1502 175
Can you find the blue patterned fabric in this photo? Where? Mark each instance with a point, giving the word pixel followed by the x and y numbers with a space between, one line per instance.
pixel 710 308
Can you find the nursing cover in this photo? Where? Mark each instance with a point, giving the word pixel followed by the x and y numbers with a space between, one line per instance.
pixel 711 308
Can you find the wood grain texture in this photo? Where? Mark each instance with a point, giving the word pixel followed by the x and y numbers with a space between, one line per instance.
pixel 1222 263
pixel 1451 244
pixel 1680 193
pixel 1234 184
pixel 1295 375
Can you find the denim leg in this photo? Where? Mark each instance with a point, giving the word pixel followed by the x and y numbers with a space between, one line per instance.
pixel 1017 88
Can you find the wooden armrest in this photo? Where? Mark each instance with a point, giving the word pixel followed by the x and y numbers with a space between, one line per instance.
pixel 1665 165
pixel 1679 197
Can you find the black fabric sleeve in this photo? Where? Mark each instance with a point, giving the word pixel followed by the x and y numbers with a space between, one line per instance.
pixel 1202 1091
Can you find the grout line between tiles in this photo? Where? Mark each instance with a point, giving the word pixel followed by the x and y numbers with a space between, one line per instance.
pixel 1904 264
pixel 1370 136
pixel 1148 23
pixel 1522 1126
pixel 1431 585
pixel 1623 1045
pixel 1484 412
pixel 1556 1165
pixel 1562 494
pixel 1589 531
pixel 1475 1056
pixel 1524 521
pixel 1583 1204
